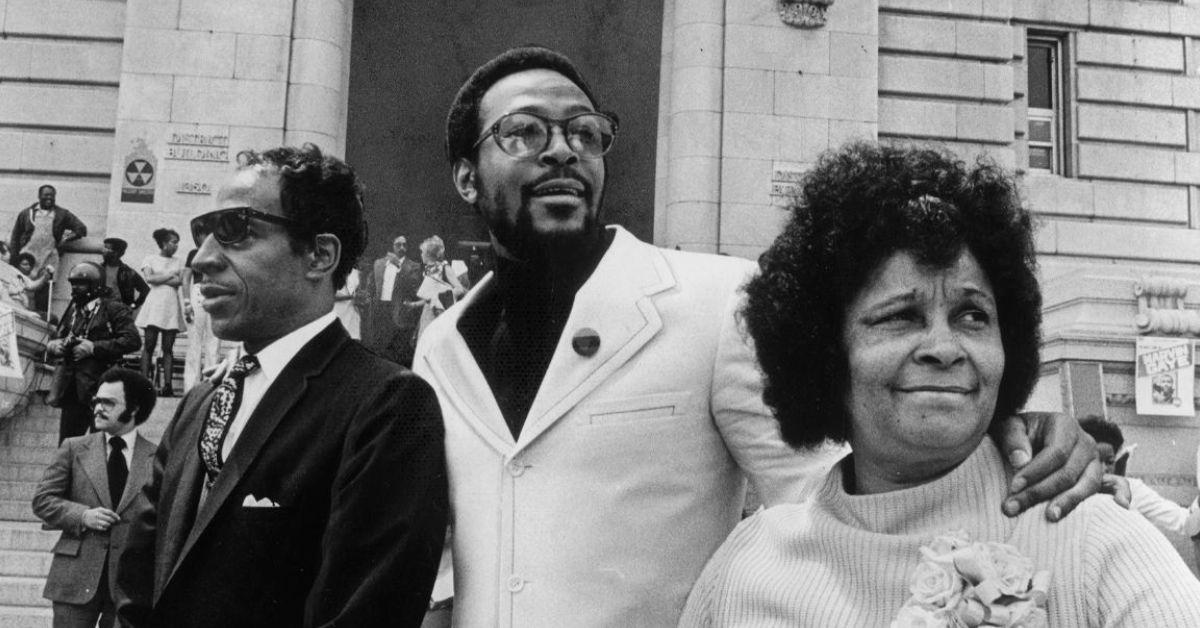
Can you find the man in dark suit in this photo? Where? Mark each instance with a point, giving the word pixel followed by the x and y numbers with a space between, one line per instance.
pixel 393 308
pixel 308 488
pixel 90 491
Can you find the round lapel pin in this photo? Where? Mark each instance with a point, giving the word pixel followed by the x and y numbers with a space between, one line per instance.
pixel 586 342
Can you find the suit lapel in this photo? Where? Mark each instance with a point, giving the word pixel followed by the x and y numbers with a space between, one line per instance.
pixel 616 302
pixel 182 479
pixel 283 393
pixel 139 474
pixel 465 386
pixel 95 464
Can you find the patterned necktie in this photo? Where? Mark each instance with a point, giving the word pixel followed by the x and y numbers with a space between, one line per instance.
pixel 118 470
pixel 224 407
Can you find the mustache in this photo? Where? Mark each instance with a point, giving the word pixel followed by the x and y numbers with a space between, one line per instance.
pixel 566 172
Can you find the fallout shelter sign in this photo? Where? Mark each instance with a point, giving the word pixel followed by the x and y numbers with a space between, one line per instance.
pixel 140 165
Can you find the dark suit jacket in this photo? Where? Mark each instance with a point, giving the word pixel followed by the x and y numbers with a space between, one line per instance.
pixel 76 480
pixel 404 289
pixel 113 334
pixel 350 447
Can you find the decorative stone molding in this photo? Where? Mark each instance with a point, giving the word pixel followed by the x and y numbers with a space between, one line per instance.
pixel 1161 308
pixel 803 13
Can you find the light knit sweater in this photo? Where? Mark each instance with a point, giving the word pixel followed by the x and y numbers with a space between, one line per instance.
pixel 845 560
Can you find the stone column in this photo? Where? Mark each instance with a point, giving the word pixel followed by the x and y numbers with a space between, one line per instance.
pixel 319 76
pixel 687 212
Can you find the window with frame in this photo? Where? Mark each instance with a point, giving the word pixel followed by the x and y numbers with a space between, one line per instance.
pixel 1046 131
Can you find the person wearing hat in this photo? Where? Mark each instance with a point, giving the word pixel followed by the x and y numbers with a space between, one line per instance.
pixel 95 331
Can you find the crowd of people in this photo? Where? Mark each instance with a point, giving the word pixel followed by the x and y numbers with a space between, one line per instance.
pixel 573 442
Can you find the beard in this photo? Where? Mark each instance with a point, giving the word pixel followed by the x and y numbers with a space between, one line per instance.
pixel 518 234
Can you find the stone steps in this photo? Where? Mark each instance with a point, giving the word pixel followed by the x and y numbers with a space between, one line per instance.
pixel 21 472
pixel 22 591
pixel 17 491
pixel 26 617
pixel 25 563
pixel 27 445
pixel 17 510
pixel 26 536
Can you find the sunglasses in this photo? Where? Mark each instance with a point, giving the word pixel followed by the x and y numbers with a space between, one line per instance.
pixel 231 225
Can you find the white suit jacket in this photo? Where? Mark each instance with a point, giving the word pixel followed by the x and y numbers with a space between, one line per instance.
pixel 629 471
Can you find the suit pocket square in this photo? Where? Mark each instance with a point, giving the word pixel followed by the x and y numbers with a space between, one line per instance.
pixel 250 502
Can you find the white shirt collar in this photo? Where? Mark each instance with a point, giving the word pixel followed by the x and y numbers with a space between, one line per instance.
pixel 129 437
pixel 274 357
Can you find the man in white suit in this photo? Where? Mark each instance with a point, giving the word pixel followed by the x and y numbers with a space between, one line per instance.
pixel 602 408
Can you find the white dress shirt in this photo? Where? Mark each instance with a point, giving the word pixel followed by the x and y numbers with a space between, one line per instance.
pixel 389 280
pixel 271 361
pixel 1162 512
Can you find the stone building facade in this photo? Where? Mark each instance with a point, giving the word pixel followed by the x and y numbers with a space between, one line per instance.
pixel 1094 102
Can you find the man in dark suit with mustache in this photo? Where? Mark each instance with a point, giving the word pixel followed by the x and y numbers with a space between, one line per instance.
pixel 393 308
pixel 308 488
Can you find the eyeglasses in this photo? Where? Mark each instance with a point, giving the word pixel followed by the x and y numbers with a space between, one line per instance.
pixel 230 225
pixel 523 134
pixel 106 404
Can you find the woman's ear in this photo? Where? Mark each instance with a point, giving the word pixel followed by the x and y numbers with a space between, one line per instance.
pixel 464 180
pixel 325 255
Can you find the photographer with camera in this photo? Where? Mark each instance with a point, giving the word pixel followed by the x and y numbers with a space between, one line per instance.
pixel 95 331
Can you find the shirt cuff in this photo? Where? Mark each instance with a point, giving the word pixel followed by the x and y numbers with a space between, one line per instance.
pixel 1192 527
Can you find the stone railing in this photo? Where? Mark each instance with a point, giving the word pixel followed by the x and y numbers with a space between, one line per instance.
pixel 15 393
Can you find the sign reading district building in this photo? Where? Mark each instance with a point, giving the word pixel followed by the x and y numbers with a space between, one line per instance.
pixel 198 147
pixel 785 182
pixel 137 186
pixel 1166 374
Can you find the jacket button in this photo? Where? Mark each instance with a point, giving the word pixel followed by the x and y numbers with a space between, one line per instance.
pixel 515 583
pixel 516 468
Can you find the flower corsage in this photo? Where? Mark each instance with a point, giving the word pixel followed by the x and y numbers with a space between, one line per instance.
pixel 960 583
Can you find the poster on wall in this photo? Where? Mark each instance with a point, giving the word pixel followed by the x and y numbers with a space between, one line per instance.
pixel 1166 376
pixel 10 360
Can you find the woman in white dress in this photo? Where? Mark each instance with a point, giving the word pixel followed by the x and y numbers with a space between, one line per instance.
pixel 161 314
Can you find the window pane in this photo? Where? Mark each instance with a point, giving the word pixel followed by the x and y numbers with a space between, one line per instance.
pixel 1041 157
pixel 1041 75
pixel 1041 131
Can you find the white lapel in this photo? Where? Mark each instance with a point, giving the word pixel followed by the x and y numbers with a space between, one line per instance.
pixel 616 303
pixel 463 385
